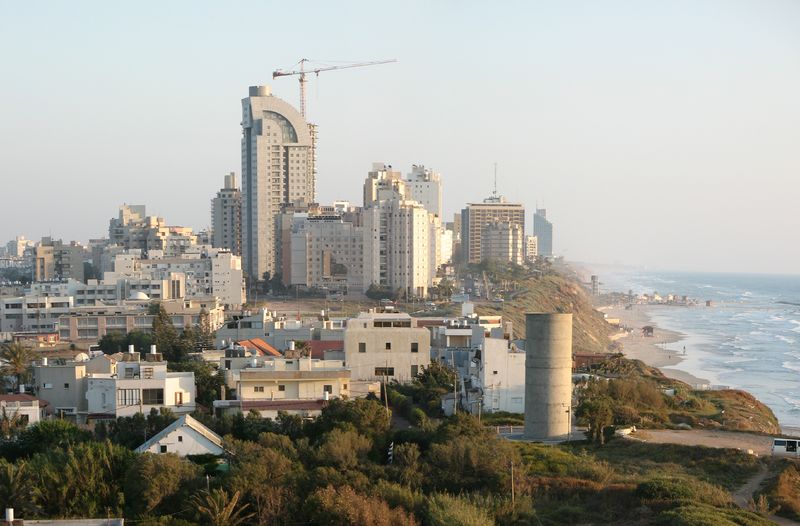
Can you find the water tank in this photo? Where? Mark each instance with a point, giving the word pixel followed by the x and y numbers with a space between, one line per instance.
pixel 548 375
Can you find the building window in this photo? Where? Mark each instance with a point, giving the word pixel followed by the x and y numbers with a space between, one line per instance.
pixel 258 389
pixel 414 371
pixel 414 347
pixel 179 398
pixel 327 389
pixel 384 371
pixel 66 386
pixel 362 347
pixel 344 386
pixel 281 388
pixel 180 438
pixel 388 346
pixel 162 449
pixel 153 396
pixel 494 372
pixel 127 397
pixel 147 372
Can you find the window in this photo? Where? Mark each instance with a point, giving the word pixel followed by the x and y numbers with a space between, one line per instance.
pixel 127 397
pixel 147 372
pixel 179 398
pixel 362 347
pixel 494 372
pixel 66 386
pixel 344 386
pixel 384 371
pixel 327 388
pixel 258 389
pixel 414 370
pixel 180 438
pixel 162 449
pixel 388 346
pixel 153 396
pixel 281 388
pixel 415 347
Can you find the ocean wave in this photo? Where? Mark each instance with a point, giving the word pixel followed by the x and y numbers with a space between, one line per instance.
pixel 792 367
pixel 757 333
pixel 741 359
pixel 784 339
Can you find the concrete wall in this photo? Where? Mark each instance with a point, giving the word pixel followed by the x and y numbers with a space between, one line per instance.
pixel 548 375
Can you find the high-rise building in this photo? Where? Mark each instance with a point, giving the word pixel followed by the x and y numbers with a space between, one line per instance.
pixel 425 187
pixel 134 229
pixel 531 248
pixel 278 167
pixel 226 217
pixel 543 230
pixel 502 240
pixel 402 239
pixel 477 215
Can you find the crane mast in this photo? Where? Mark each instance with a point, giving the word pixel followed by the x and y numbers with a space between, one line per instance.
pixel 302 72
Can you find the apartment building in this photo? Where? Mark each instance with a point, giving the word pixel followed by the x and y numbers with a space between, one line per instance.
pixel 226 217
pixel 385 345
pixel 503 241
pixel 477 215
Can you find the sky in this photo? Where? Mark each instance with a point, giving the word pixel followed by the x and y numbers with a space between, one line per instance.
pixel 662 134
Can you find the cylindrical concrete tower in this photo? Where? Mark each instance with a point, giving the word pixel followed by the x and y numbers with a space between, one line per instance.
pixel 548 375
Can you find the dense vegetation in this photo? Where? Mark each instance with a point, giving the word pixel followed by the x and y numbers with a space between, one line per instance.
pixel 334 470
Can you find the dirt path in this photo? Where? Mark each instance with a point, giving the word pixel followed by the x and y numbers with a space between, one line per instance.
pixel 759 444
pixel 742 496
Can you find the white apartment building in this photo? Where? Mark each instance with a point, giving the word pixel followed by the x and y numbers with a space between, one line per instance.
pixel 134 229
pixel 324 251
pixel 531 248
pixel 425 187
pixel 385 345
pixel 226 217
pixel 503 241
pixel 137 386
pixel 278 166
pixel 501 376
pixel 33 312
pixel 279 331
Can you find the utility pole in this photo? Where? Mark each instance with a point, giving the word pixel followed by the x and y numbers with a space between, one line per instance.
pixel 386 394
pixel 513 493
pixel 455 382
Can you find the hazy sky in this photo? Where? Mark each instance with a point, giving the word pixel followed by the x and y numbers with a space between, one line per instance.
pixel 657 133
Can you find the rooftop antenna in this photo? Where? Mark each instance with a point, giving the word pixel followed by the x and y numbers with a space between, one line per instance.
pixel 495 180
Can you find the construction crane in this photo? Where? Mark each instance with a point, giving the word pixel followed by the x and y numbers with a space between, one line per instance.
pixel 302 72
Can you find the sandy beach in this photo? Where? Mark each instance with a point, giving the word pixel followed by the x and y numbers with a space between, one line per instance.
pixel 651 350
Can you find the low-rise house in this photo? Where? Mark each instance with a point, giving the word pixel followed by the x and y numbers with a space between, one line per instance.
pixel 386 346
pixel 139 385
pixel 27 408
pixel 185 436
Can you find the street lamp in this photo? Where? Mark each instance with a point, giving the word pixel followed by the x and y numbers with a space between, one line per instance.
pixel 569 421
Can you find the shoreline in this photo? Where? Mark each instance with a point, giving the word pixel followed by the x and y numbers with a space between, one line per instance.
pixel 652 350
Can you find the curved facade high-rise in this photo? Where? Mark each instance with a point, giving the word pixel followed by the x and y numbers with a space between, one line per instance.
pixel 278 167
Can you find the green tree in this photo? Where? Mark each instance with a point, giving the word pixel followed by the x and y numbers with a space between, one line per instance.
pixel 16 360
pixel 407 464
pixel 597 412
pixel 444 510
pixel 157 484
pixel 217 508
pixel 377 292
pixel 17 488
pixel 343 449
pixel 205 331
pixel 43 436
pixel 165 337
pixel 207 378
pixel 11 424
pixel 366 415
pixel 344 507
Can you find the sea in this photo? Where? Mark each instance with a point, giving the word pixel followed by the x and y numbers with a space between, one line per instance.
pixel 749 338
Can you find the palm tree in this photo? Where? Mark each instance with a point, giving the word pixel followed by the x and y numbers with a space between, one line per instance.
pixel 16 360
pixel 218 509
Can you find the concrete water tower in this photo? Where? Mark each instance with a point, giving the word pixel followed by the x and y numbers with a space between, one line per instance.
pixel 548 376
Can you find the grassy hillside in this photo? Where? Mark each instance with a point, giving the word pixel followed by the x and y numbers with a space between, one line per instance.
pixel 554 293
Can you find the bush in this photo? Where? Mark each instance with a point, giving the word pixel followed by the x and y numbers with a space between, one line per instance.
pixel 674 489
pixel 446 510
pixel 704 515
pixel 783 491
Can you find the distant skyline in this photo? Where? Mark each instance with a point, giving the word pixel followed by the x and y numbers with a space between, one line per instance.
pixel 654 133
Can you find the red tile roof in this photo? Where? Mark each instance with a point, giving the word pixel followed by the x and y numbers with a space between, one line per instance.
pixel 318 347
pixel 260 346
